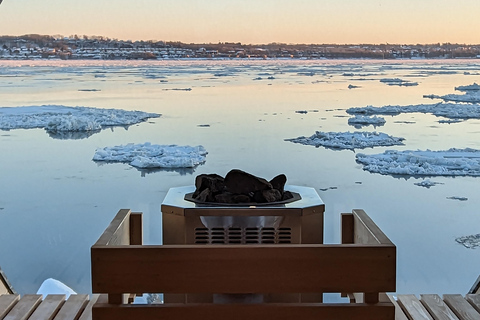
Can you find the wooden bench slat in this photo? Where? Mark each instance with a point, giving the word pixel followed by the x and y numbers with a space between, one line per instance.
pixel 413 307
pixel 474 300
pixel 7 302
pixel 243 269
pixel 73 307
pixel 277 311
pixel 461 307
pixel 49 307
pixel 25 307
pixel 87 313
pixel 437 308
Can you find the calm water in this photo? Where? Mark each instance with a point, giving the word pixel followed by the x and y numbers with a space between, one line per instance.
pixel 55 201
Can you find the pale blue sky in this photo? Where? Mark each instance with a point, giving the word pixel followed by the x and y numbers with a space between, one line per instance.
pixel 250 21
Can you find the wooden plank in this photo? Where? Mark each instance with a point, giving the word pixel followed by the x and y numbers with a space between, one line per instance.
pixel 475 287
pixel 25 307
pixel 49 307
pixel 118 232
pixel 461 307
pixel 474 300
pixel 136 228
pixel 437 308
pixel 87 313
pixel 277 311
pixel 366 231
pixel 412 307
pixel 5 286
pixel 7 302
pixel 399 314
pixel 73 307
pixel 347 228
pixel 243 269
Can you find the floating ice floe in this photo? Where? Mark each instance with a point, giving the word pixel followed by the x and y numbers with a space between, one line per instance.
pixel 447 110
pixel 348 140
pixel 359 121
pixel 427 183
pixel 458 198
pixel 398 82
pixel 52 286
pixel 452 162
pixel 468 97
pixel 149 155
pixel 470 242
pixel 62 119
pixel 470 87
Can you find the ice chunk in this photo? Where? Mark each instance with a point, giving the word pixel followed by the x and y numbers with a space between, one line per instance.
pixel 358 121
pixel 427 183
pixel 474 87
pixel 58 118
pixel 348 140
pixel 452 162
pixel 470 242
pixel 149 155
pixel 52 286
pixel 447 110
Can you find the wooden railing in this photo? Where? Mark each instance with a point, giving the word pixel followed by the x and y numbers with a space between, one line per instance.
pixel 365 263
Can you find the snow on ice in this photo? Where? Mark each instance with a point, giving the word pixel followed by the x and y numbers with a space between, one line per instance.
pixel 470 242
pixel 359 121
pixel 469 87
pixel 348 140
pixel 465 106
pixel 427 183
pixel 53 286
pixel 447 110
pixel 149 156
pixel 58 118
pixel 398 82
pixel 452 162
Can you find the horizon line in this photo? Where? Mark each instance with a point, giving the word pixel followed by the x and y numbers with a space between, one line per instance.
pixel 57 36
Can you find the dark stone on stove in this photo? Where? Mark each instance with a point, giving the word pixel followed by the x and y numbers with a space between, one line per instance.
pixel 241 182
pixel 279 182
pixel 287 195
pixel 240 187
pixel 241 198
pixel 226 197
pixel 258 197
pixel 272 195
pixel 203 196
pixel 213 182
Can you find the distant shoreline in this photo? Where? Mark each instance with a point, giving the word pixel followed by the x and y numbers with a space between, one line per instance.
pixel 31 47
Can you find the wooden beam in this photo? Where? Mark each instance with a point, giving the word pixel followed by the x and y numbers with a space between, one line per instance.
pixel 277 311
pixel 118 232
pixel 347 228
pixel 243 269
pixel 366 231
pixel 136 228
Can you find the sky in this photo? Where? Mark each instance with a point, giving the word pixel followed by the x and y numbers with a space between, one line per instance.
pixel 250 21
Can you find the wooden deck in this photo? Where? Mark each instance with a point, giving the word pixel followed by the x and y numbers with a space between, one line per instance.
pixel 53 307
pixel 434 307
pixel 79 307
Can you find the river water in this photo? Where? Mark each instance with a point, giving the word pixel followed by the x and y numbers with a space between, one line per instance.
pixel 55 201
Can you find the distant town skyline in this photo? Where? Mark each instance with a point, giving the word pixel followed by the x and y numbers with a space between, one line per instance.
pixel 248 21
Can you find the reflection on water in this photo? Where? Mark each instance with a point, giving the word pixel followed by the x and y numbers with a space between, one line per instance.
pixel 49 220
